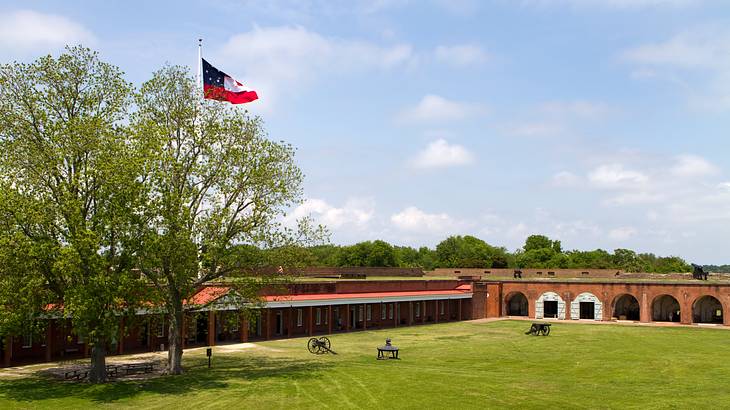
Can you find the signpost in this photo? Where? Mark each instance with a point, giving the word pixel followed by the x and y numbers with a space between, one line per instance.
pixel 209 353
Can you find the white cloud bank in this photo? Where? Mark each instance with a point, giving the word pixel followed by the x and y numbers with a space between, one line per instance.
pixel 25 32
pixel 355 213
pixel 441 154
pixel 413 219
pixel 436 109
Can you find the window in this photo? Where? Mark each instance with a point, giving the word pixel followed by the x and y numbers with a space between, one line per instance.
pixel 360 313
pixel 443 304
pixel 299 317
pixel 418 309
pixel 383 312
pixel 369 313
pixel 318 315
pixel 161 327
pixel 27 341
pixel 551 273
pixel 390 314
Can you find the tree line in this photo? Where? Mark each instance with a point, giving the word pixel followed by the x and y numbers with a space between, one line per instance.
pixel 539 251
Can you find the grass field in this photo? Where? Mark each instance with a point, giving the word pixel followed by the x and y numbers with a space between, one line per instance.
pixel 456 365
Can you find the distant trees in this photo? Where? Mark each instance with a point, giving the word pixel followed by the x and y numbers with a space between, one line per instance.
pixel 467 251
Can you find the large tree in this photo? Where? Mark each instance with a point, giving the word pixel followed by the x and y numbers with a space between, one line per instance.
pixel 213 182
pixel 67 182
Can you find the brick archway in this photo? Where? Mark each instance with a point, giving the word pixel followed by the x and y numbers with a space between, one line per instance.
pixel 550 304
pixel 666 308
pixel 707 309
pixel 516 304
pixel 626 307
pixel 586 306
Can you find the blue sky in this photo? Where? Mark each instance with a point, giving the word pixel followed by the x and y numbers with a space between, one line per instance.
pixel 603 123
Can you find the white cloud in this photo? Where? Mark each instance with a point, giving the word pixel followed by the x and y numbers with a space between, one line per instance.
pixel 697 61
pixel 461 55
pixel 440 154
pixel 27 31
pixel 615 176
pixel 435 109
pixel 578 108
pixel 692 166
pixel 623 233
pixel 535 129
pixel 565 179
pixel 355 213
pixel 415 220
pixel 273 59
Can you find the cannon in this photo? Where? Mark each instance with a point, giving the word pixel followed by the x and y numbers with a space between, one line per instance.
pixel 319 346
pixel 539 329
pixel 698 272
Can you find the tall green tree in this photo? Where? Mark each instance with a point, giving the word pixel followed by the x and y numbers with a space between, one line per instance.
pixel 212 181
pixel 67 188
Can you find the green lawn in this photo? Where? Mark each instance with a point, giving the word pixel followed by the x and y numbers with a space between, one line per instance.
pixel 457 365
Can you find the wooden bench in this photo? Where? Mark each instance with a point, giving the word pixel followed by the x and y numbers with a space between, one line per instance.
pixel 78 374
pixel 132 368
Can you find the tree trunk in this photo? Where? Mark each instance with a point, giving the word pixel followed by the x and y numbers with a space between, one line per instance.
pixel 174 338
pixel 97 374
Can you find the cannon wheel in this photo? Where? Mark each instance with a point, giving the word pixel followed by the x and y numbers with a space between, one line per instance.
pixel 533 330
pixel 325 342
pixel 546 330
pixel 313 346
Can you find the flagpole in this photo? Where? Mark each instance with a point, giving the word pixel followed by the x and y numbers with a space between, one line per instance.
pixel 200 62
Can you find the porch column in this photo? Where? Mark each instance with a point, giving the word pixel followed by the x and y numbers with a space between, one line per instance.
pixel 184 331
pixel 211 328
pixel 396 313
pixel 423 311
pixel 268 323
pixel 329 319
pixel 244 329
pixel 365 319
pixel 347 317
pixel 410 313
pixel 459 315
pixel 310 326
pixel 49 340
pixel 436 310
pixel 290 321
pixel 120 338
pixel 448 309
pixel 8 351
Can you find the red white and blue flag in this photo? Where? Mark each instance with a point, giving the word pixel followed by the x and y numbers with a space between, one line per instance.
pixel 220 86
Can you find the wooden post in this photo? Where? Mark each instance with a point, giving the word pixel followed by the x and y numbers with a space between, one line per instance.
pixel 310 322
pixel 347 317
pixel 211 328
pixel 448 309
pixel 120 338
pixel 244 329
pixel 365 319
pixel 49 340
pixel 459 316
pixel 410 313
pixel 268 323
pixel 329 319
pixel 436 311
pixel 396 314
pixel 8 351
pixel 184 331
pixel 423 311
pixel 289 321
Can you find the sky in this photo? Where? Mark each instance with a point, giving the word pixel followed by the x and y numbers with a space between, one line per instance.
pixel 601 123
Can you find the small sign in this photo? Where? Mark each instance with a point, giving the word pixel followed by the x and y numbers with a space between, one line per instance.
pixel 209 352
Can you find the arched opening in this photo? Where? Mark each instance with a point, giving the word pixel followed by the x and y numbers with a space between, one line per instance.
pixel 550 304
pixel 586 306
pixel 517 305
pixel 626 307
pixel 707 309
pixel 665 308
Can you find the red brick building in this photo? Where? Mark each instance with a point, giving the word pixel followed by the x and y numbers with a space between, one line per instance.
pixel 333 305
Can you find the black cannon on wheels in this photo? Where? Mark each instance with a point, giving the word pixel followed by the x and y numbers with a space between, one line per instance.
pixel 539 329
pixel 319 346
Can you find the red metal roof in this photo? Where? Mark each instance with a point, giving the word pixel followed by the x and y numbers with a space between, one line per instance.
pixel 208 294
pixel 335 296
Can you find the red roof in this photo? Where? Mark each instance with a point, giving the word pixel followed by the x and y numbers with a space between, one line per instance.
pixel 208 294
pixel 335 296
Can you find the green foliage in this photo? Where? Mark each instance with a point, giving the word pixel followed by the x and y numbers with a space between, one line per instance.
pixel 468 252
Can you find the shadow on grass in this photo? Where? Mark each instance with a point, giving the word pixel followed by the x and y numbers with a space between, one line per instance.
pixel 196 377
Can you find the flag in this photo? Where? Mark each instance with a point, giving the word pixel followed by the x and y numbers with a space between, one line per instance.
pixel 220 86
